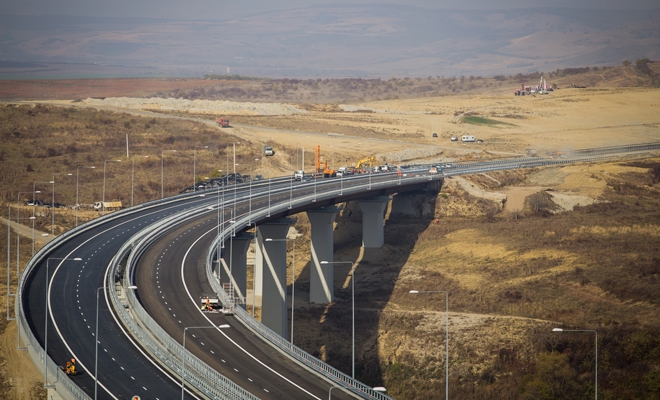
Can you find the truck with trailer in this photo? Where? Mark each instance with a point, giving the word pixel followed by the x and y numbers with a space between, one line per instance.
pixel 107 205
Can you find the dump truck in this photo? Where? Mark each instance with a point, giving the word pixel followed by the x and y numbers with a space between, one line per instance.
pixel 223 122
pixel 107 205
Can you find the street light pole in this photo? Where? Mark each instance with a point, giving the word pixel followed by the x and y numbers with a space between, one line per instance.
pixel 77 203
pixel 291 194
pixel 268 215
pixel 195 165
pixel 234 182
pixel 352 305
pixel 105 163
pixel 183 354
pixel 34 185
pixel 18 237
pixel 293 277
pixel 52 206
pixel 133 178
pixel 586 330
pixel 446 333
pixel 162 172
pixel 46 318
pixel 254 272
pixel 8 258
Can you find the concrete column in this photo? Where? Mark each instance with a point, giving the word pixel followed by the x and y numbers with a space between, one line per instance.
pixel 258 268
pixel 373 213
pixel 234 259
pixel 273 266
pixel 321 289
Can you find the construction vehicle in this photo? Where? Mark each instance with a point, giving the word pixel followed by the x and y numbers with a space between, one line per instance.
pixel 107 205
pixel 363 161
pixel 268 151
pixel 210 303
pixel 327 173
pixel 70 367
pixel 223 122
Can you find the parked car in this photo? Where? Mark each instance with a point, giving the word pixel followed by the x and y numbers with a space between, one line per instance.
pixel 454 139
pixel 434 134
pixel 258 177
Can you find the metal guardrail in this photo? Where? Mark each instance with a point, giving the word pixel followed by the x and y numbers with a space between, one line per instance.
pixel 305 359
pixel 153 337
pixel 68 389
pixel 64 386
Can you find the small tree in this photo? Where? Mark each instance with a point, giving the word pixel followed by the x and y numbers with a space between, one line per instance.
pixel 626 63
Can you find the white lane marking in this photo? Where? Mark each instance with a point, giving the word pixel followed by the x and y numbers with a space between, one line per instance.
pixel 183 280
pixel 57 328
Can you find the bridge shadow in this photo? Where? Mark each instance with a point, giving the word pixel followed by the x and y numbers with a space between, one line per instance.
pixel 325 331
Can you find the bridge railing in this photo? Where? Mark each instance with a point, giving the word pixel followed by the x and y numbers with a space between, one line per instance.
pixel 65 387
pixel 303 358
pixel 63 383
pixel 73 391
pixel 153 337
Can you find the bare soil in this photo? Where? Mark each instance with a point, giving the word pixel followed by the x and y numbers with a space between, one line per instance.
pixel 513 273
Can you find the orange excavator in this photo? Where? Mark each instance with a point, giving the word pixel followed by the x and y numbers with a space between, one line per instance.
pixel 327 173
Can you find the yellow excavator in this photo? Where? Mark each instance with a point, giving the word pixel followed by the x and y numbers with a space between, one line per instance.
pixel 363 161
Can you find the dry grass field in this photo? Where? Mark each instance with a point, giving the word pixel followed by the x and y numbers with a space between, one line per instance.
pixel 575 246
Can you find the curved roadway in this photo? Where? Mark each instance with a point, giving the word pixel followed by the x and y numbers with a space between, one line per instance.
pixel 124 369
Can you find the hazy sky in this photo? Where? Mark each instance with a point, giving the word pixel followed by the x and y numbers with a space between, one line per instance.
pixel 327 38
pixel 222 9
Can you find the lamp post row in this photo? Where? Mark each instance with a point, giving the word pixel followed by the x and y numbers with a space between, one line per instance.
pixel 77 205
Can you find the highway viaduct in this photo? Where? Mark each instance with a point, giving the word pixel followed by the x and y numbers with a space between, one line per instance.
pixel 71 286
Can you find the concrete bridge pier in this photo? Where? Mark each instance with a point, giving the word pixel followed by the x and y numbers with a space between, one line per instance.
pixel 373 214
pixel 270 260
pixel 321 289
pixel 234 260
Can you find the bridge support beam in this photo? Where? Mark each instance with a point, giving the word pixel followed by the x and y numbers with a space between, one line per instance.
pixel 373 213
pixel 234 260
pixel 321 289
pixel 271 261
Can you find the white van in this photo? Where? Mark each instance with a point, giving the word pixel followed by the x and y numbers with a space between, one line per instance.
pixel 466 138
pixel 298 175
